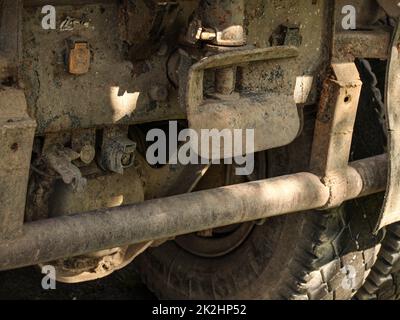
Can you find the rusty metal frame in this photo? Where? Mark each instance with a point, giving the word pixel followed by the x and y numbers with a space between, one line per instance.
pixel 371 44
pixel 367 41
pixel 17 130
pixel 334 129
pixel 334 181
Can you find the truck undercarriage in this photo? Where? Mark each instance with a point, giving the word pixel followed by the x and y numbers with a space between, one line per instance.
pixel 87 87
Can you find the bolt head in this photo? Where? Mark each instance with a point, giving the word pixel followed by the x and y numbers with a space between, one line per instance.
pixel 87 154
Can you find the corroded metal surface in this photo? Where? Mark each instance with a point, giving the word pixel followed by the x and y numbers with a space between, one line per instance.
pixel 335 120
pixel 334 129
pixel 115 90
pixel 17 130
pixel 136 65
pixel 272 128
pixel 368 39
pixel 226 18
pixel 350 45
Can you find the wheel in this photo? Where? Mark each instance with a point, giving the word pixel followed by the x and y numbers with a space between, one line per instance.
pixel 383 283
pixel 312 255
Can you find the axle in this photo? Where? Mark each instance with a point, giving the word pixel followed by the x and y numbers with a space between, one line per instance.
pixel 69 236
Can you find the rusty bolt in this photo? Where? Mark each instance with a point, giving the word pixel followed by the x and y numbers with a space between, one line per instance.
pixel 208 35
pixel 87 154
pixel 127 159
pixel 14 147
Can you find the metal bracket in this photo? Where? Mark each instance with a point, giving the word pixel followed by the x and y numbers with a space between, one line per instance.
pixel 17 130
pixel 78 55
pixel 118 151
pixel 273 116
pixel 334 130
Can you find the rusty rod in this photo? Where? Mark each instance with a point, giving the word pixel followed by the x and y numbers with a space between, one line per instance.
pixel 37 3
pixel 52 239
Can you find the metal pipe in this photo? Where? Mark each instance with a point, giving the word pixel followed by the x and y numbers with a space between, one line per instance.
pixel 57 238
pixel 366 177
pixel 37 3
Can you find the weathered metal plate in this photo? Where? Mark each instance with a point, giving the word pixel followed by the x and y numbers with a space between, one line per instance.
pixel 335 121
pixel 79 59
pixel 391 209
pixel 115 90
pixel 17 130
pixel 273 116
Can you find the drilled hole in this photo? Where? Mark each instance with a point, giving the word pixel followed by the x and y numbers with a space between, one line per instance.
pixel 14 147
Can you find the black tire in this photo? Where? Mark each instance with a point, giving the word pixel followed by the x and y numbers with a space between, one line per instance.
pixel 305 256
pixel 299 257
pixel 383 283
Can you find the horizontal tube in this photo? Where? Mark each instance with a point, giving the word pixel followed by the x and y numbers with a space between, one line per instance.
pixel 37 3
pixel 68 236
